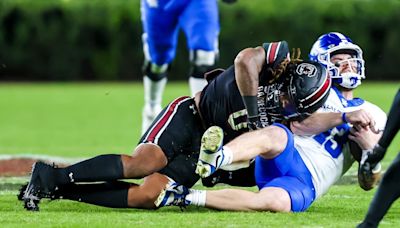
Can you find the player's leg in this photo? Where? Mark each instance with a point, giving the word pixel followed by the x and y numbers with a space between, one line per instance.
pixel 393 123
pixel 109 194
pixel 268 142
pixel 285 183
pixel 175 130
pixel 115 194
pixel 200 22
pixel 46 179
pixel 144 195
pixel 159 44
pixel 268 199
pixel 243 177
pixel 387 193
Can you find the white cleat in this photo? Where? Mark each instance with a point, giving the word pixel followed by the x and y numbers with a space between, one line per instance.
pixel 211 156
pixel 174 194
pixel 148 115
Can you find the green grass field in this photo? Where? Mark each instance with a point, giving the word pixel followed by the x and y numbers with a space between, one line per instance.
pixel 83 120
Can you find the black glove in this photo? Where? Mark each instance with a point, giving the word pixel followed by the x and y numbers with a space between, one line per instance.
pixel 377 154
pixel 254 123
pixel 371 159
pixel 229 1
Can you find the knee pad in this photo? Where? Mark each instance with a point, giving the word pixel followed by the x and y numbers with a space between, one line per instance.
pixel 201 62
pixel 155 72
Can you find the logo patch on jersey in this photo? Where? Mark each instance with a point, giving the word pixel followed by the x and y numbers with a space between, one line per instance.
pixel 306 69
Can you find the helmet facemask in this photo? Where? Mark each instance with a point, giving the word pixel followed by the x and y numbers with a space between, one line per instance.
pixel 355 72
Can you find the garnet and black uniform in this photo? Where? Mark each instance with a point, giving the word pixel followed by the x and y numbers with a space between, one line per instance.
pixel 178 128
pixel 221 103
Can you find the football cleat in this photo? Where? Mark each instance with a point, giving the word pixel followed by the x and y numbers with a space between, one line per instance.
pixel 211 155
pixel 41 185
pixel 21 192
pixel 174 194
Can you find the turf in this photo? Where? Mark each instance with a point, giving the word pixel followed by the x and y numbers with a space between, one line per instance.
pixel 73 120
pixel 87 119
pixel 343 206
pixel 82 120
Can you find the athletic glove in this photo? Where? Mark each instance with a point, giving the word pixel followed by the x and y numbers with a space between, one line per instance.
pixel 254 123
pixel 369 164
pixel 370 158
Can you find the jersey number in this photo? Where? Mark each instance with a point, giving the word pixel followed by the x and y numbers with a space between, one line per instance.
pixel 238 120
pixel 334 139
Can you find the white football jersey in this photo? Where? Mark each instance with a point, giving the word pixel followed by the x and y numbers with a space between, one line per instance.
pixel 326 155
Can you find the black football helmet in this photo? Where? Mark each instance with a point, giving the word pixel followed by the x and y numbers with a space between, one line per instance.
pixel 307 88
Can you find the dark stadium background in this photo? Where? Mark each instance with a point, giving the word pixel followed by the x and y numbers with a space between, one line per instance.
pixel 69 40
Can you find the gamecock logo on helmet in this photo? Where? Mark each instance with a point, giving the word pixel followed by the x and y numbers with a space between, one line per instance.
pixel 306 69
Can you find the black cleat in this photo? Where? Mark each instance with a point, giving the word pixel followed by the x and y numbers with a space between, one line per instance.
pixel 41 185
pixel 21 193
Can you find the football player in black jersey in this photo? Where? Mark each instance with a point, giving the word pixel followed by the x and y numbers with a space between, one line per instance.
pixel 250 94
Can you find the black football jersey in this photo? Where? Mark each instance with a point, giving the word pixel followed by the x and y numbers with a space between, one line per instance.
pixel 221 104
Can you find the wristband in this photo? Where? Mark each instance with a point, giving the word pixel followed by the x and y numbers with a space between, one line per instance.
pixel 250 102
pixel 344 117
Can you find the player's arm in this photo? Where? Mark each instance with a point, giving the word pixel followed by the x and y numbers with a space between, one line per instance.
pixel 320 122
pixel 248 65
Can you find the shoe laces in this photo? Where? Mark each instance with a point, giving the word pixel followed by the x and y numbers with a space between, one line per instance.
pixel 181 203
pixel 180 192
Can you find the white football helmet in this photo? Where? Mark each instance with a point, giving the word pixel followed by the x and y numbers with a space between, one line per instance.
pixel 333 43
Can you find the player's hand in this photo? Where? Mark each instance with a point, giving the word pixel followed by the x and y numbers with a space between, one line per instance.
pixel 229 1
pixel 362 118
pixel 364 137
pixel 254 123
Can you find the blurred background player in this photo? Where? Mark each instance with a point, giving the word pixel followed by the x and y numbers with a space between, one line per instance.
pixel 389 188
pixel 162 20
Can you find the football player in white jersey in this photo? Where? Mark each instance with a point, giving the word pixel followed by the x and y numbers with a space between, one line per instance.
pixel 292 171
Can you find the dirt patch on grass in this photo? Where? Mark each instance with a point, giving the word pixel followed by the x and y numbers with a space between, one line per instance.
pixel 17 167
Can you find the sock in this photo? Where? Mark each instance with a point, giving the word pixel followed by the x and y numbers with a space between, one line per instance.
pixel 110 194
pixel 196 85
pixel 387 193
pixel 101 168
pixel 241 177
pixel 228 156
pixel 153 91
pixel 197 197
